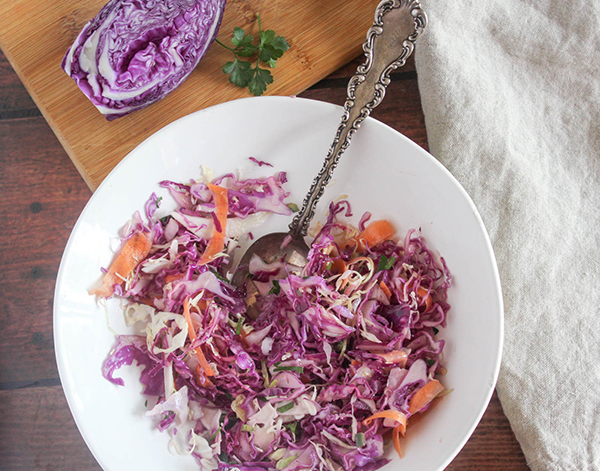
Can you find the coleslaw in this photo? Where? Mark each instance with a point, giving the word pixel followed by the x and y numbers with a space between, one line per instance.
pixel 342 357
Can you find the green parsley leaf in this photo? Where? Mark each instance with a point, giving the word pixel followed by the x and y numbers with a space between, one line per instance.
pixel 222 278
pixel 243 43
pixel 291 426
pixel 238 36
pixel 266 38
pixel 271 47
pixel 285 408
pixel 238 327
pixel 385 263
pixel 158 200
pixel 249 74
pixel 269 53
pixel 214 435
pixel 294 207
pixel 276 288
pixel 297 369
pixel 435 331
pixel 259 80
pixel 280 44
pixel 360 440
pixel 239 72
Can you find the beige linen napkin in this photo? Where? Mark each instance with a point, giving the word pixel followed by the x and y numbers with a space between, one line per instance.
pixel 511 96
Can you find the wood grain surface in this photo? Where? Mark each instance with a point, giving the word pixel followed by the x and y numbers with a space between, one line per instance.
pixel 42 195
pixel 35 34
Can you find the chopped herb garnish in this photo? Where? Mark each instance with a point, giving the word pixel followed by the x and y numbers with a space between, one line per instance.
pixel 294 207
pixel 214 435
pixel 360 440
pixel 385 263
pixel 276 288
pixel 146 403
pixel 429 361
pixel 223 279
pixel 247 428
pixel 238 327
pixel 435 331
pixel 285 462
pixel 164 220
pixel 285 408
pixel 297 369
pixel 244 73
pixel 158 200
pixel 291 426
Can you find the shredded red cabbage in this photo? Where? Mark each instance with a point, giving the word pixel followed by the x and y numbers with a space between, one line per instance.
pixel 354 335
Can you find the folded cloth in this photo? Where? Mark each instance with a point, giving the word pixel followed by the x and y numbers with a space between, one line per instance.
pixel 511 96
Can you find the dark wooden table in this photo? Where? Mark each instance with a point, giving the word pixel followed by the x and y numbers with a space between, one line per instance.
pixel 41 196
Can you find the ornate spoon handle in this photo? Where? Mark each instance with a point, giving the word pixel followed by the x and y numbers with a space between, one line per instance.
pixel 390 41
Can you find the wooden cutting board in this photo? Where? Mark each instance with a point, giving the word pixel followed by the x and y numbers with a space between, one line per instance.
pixel 35 34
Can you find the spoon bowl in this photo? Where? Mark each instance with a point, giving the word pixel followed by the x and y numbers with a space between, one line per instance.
pixel 271 248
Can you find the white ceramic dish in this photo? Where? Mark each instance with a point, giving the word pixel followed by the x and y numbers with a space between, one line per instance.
pixel 382 172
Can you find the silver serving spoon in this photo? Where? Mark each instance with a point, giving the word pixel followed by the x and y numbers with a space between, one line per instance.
pixel 390 41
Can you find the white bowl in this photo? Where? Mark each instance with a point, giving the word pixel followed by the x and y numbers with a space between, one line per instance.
pixel 382 172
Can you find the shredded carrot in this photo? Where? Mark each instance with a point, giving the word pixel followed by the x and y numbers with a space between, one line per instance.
pixel 399 357
pixel 202 304
pixel 396 434
pixel 424 396
pixel 134 250
pixel 399 417
pixel 425 296
pixel 377 232
pixel 338 266
pixel 192 333
pixel 217 241
pixel 389 414
pixel 386 290
pixel 351 242
pixel 203 379
pixel 173 277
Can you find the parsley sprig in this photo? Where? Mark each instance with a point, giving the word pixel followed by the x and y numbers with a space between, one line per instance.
pixel 246 73
pixel 385 263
